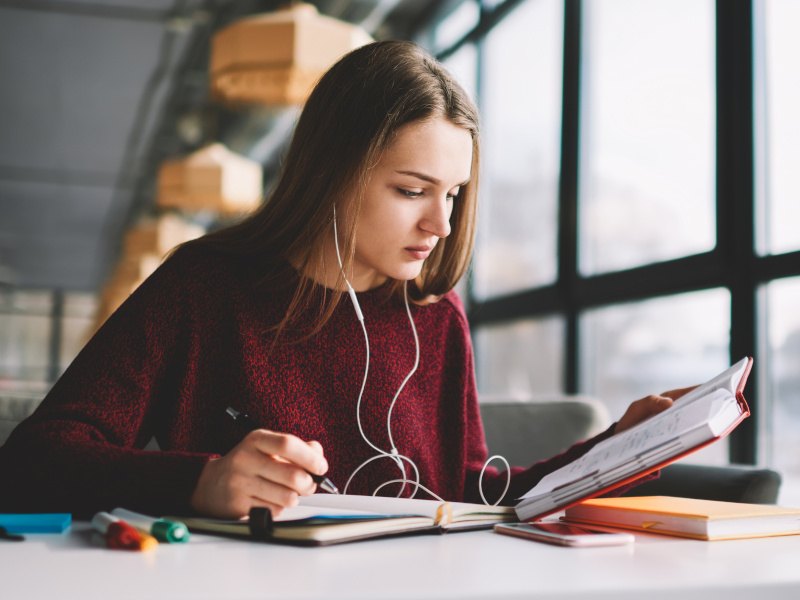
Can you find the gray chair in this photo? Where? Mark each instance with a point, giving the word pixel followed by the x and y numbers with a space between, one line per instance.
pixel 15 406
pixel 733 483
pixel 525 432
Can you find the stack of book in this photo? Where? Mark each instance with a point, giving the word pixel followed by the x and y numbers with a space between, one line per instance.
pixel 688 517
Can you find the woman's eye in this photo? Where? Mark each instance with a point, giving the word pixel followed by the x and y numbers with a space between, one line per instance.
pixel 410 193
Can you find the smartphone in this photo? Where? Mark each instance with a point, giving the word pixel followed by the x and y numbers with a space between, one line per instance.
pixel 564 534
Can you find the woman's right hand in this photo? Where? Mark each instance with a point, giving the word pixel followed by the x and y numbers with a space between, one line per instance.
pixel 266 469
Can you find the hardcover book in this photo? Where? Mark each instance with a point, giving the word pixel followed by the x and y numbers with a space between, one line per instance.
pixel 699 418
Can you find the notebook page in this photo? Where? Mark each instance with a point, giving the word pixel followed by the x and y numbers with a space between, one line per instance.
pixel 661 429
pixel 372 504
pixel 728 380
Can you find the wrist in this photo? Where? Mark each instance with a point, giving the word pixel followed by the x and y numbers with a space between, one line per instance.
pixel 199 498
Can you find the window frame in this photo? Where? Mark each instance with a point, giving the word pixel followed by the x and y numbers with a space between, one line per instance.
pixel 734 263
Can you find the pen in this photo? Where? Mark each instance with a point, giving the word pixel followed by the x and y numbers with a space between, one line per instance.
pixel 161 529
pixel 247 421
pixel 120 535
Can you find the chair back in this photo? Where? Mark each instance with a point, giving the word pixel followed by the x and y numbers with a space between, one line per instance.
pixel 525 432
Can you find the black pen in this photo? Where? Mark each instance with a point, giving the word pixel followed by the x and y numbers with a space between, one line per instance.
pixel 247 421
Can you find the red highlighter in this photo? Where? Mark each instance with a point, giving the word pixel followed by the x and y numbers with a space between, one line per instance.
pixel 120 535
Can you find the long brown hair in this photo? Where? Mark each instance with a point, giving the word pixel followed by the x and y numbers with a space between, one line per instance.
pixel 348 121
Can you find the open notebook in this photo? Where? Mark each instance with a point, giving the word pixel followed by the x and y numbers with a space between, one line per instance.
pixel 323 519
pixel 699 418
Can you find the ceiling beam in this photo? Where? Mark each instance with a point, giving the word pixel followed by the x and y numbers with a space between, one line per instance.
pixel 97 10
pixel 58 176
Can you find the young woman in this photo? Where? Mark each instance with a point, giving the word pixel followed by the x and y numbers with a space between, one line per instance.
pixel 328 316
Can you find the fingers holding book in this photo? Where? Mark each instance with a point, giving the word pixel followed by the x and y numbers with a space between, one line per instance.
pixel 648 406
pixel 679 392
pixel 642 409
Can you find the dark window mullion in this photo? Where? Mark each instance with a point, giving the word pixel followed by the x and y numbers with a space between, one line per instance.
pixel 530 303
pixel 568 192
pixel 688 274
pixel 766 268
pixel 735 191
pixel 56 332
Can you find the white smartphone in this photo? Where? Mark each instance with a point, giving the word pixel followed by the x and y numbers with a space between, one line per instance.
pixel 564 534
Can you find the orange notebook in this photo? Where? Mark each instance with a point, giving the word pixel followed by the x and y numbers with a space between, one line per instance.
pixel 688 517
pixel 701 417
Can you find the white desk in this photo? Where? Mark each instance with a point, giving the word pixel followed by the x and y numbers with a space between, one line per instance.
pixel 463 565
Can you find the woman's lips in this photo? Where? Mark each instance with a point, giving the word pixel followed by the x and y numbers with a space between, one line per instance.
pixel 419 252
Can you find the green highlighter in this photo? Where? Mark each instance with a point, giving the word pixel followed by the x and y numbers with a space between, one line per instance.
pixel 173 532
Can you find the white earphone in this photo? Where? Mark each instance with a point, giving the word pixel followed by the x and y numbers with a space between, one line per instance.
pixel 393 453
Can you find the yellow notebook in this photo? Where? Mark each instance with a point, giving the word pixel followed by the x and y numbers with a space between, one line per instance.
pixel 688 517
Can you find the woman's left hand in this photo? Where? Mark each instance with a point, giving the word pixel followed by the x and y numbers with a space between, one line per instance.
pixel 648 406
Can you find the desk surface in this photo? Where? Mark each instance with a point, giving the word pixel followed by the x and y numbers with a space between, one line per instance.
pixel 478 564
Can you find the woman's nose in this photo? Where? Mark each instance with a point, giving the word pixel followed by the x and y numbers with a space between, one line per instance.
pixel 437 219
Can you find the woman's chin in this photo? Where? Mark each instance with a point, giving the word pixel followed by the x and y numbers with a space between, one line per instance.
pixel 403 272
pixel 408 272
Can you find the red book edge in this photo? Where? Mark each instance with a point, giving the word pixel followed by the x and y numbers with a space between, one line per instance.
pixel 743 406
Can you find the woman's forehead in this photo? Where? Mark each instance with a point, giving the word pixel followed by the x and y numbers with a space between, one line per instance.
pixel 435 148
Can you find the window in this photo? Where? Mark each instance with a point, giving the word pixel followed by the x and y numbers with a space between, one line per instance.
pixel 779 371
pixel 521 111
pixel 778 96
pixel 29 320
pixel 520 359
pixel 25 328
pixel 463 65
pixel 457 24
pixel 651 281
pixel 647 177
pixel 635 349
pixel 76 325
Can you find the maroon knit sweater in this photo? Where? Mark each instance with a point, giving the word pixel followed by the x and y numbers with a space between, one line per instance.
pixel 197 337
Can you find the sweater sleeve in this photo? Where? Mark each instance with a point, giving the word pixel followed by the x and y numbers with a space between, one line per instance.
pixel 82 449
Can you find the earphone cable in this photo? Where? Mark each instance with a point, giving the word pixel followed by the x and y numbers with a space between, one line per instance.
pixel 394 454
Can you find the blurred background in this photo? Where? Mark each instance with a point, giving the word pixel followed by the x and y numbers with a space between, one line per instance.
pixel 640 208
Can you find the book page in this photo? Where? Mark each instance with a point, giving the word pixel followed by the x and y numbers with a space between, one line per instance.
pixel 304 512
pixel 371 504
pixel 674 424
pixel 711 411
pixel 395 506
pixel 727 380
